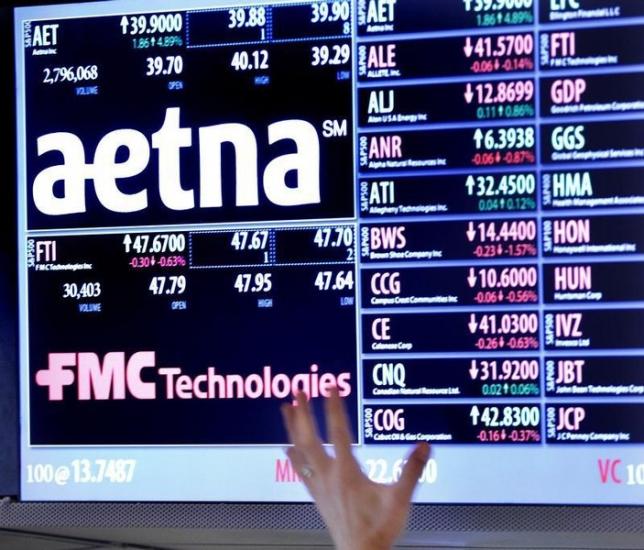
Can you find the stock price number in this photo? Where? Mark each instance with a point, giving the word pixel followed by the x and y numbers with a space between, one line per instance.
pixel 169 65
pixel 250 61
pixel 168 286
pixel 329 280
pixel 337 54
pixel 505 417
pixel 70 74
pixel 150 24
pixel 74 291
pixel 504 138
pixel 330 12
pixel 496 5
pixel 336 237
pixel 522 329
pixel 258 282
pixel 489 13
pixel 508 231
pixel 506 185
pixel 508 369
pixel 506 277
pixel 499 46
pixel 502 192
pixel 249 240
pixel 381 470
pixel 158 244
pixel 240 18
pixel 99 470
pixel 507 323
pixel 490 93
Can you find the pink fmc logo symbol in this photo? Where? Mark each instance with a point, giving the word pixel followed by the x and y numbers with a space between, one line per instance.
pixel 113 379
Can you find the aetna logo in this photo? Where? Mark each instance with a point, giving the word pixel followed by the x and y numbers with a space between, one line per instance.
pixel 117 378
pixel 59 190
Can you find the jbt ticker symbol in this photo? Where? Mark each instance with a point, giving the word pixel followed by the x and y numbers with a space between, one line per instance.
pixel 112 379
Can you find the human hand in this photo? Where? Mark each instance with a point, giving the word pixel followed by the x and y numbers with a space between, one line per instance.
pixel 359 513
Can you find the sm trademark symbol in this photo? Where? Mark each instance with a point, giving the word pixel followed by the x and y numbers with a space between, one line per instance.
pixel 335 128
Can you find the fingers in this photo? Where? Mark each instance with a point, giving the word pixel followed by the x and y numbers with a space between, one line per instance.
pixel 412 471
pixel 299 464
pixel 289 421
pixel 302 432
pixel 338 425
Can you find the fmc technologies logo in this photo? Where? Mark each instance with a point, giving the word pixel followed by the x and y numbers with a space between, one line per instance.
pixel 107 171
pixel 117 377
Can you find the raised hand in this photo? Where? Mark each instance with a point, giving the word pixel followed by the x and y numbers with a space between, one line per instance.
pixel 359 513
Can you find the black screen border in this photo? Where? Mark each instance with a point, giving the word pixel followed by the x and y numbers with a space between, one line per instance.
pixel 9 424
pixel 507 525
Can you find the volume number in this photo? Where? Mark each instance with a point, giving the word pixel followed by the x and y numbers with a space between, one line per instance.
pixel 70 74
pixel 74 291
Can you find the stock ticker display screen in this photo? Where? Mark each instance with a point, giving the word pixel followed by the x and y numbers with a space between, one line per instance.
pixel 436 206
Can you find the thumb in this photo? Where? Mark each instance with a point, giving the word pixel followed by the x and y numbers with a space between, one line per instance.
pixel 412 470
